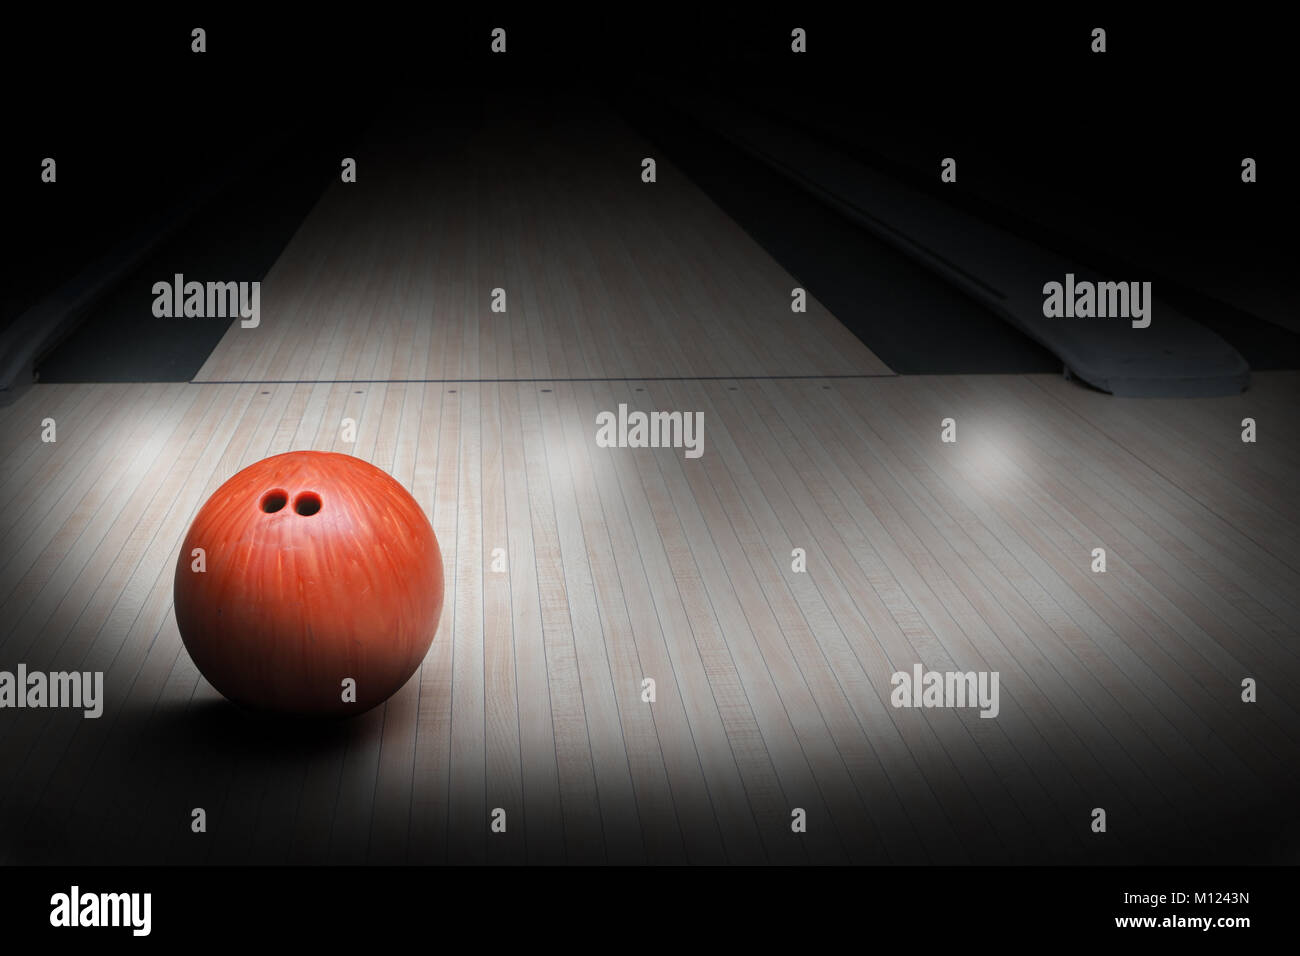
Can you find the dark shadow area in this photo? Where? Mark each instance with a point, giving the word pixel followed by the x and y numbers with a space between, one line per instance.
pixel 910 318
pixel 210 754
pixel 1128 160
pixel 237 237
pixel 258 778
pixel 135 122
pixel 1102 237
pixel 218 728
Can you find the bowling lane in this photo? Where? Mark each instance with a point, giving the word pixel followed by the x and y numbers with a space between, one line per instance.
pixel 525 229
pixel 772 686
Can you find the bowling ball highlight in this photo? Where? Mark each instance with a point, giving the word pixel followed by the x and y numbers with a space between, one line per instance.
pixel 303 572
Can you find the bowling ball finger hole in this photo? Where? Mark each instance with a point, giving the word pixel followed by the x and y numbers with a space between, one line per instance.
pixel 273 501
pixel 307 503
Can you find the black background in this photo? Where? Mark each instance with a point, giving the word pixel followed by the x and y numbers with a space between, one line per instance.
pixel 1153 130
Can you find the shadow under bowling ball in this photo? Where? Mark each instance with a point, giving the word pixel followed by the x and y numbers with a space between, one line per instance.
pixel 217 728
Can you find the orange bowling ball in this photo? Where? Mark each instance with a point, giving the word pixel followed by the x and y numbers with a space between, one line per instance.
pixel 309 583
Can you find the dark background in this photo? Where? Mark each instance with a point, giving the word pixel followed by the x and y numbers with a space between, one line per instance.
pixel 1075 150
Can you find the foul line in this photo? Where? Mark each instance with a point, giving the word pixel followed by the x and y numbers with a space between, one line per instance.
pixel 489 381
